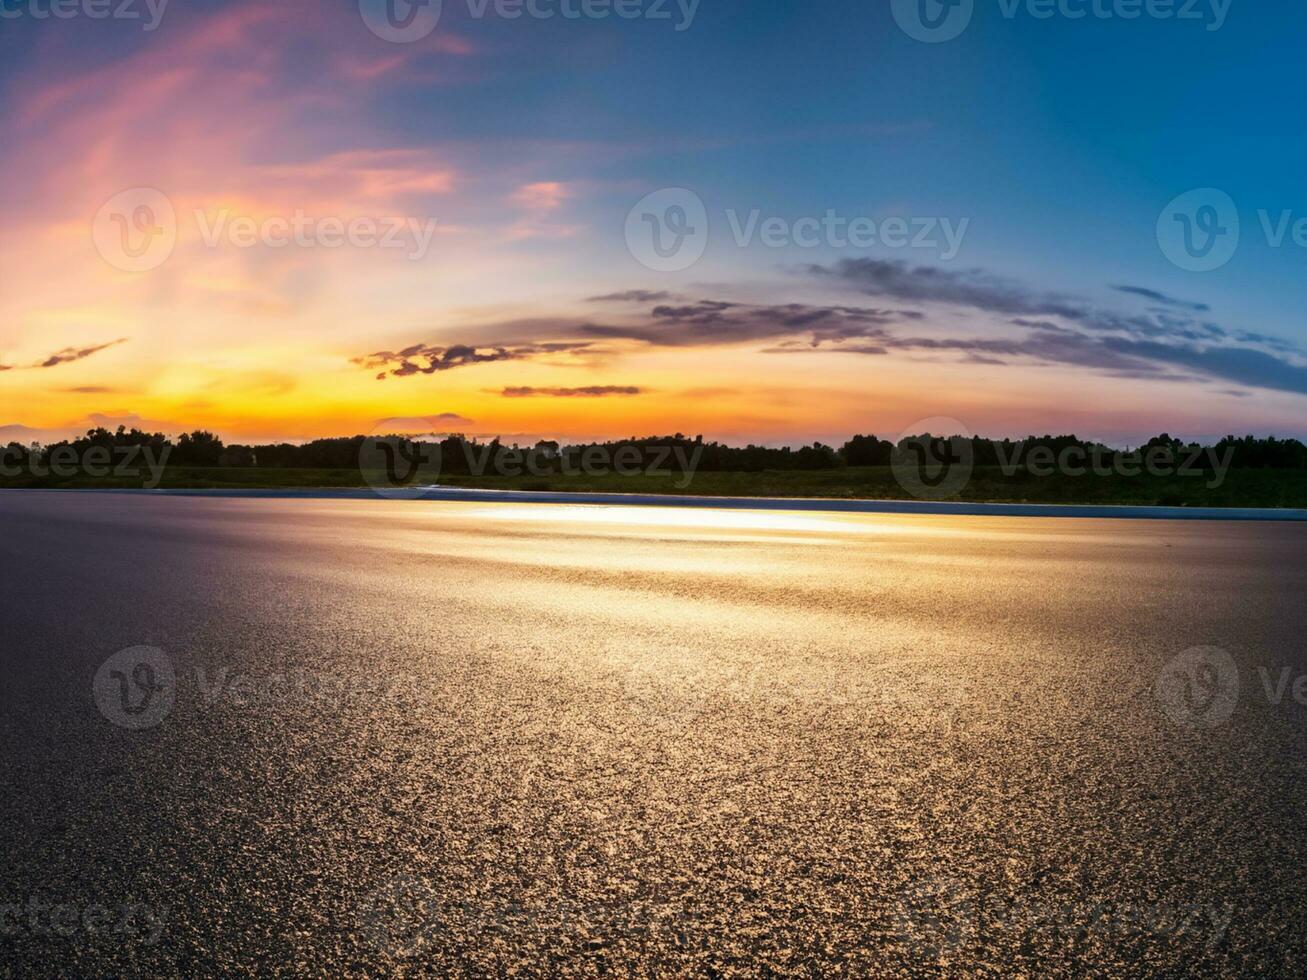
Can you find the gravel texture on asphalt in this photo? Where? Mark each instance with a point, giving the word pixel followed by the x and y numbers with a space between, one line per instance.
pixel 331 738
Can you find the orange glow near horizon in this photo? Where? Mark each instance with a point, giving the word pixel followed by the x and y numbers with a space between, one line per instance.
pixel 262 343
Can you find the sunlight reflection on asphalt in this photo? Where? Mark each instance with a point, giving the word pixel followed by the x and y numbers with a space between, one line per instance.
pixel 469 738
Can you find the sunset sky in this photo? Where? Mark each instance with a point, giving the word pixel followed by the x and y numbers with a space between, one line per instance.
pixel 523 144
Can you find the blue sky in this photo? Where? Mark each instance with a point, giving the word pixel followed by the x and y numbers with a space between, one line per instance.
pixel 1061 139
pixel 1054 144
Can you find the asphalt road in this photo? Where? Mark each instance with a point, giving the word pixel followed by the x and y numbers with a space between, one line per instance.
pixel 338 737
pixel 945 508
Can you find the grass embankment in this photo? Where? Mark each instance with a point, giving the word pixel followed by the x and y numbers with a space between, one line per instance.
pixel 1242 488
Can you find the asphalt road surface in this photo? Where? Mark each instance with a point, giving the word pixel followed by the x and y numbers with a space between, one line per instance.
pixel 345 737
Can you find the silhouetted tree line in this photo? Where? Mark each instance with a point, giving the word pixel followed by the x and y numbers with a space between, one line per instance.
pixel 99 438
pixel 459 455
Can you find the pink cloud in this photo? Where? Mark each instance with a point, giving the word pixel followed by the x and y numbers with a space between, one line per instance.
pixel 200 115
pixel 542 196
pixel 377 175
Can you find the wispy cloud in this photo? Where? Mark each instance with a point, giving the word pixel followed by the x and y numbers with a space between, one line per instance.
pixel 1008 324
pixel 71 354
pixel 983 291
pixel 545 195
pixel 1165 300
pixel 429 359
pixel 713 321
pixel 425 425
pixel 633 296
pixel 596 391
pixel 1166 344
